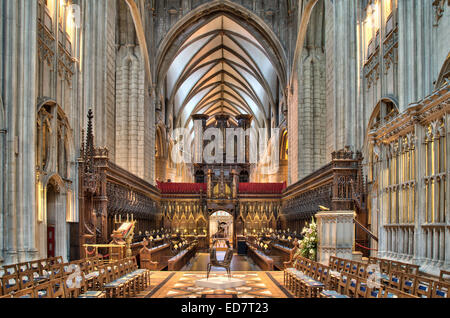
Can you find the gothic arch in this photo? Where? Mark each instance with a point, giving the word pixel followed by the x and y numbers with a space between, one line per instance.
pixel 54 192
pixel 220 57
pixel 136 15
pixel 56 181
pixel 161 145
pixel 444 75
pixel 284 145
pixel 55 118
pixel 386 105
pixel 203 14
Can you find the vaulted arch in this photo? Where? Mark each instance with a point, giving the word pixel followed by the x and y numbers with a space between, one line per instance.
pixel 221 58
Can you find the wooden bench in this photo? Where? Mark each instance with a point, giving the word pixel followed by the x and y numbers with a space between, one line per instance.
pixel 263 261
pixel 280 255
pixel 181 259
pixel 156 258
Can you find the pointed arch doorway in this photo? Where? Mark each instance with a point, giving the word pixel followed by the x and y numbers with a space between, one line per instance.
pixel 57 228
pixel 221 225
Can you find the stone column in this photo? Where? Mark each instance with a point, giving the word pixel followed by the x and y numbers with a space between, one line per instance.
pixel 336 234
pixel 99 67
pixel 447 181
pixel 420 196
pixel 244 122
pixel 345 68
pixel 18 56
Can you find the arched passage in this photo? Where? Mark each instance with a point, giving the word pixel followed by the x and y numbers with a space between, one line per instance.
pixel 55 192
pixel 221 227
pixel 55 211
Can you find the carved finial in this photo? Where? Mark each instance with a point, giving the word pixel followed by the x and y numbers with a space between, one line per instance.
pixel 90 143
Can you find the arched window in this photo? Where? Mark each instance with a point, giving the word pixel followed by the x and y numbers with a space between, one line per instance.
pixel 52 121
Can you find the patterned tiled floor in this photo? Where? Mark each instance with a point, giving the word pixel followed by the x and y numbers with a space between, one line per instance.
pixel 238 263
pixel 182 285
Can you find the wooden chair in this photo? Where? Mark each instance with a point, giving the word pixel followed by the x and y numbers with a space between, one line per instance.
pixel 37 276
pixel 343 284
pixel 310 285
pixel 394 293
pixel 138 276
pixel 26 279
pixel 365 290
pixel 101 279
pixel 333 263
pixel 342 289
pixel 23 267
pixel 24 293
pixel 34 265
pixel 43 290
pixel 412 269
pixel 347 267
pixel 353 285
pixel 10 270
pixel 397 267
pixel 374 291
pixel 341 265
pixel 67 269
pixel 395 280
pixel 10 283
pixel 55 260
pixel 109 273
pixel 225 263
pixel 70 288
pixel 57 286
pixel 118 288
pixel 444 276
pixel 56 271
pixel 362 271
pixel 424 287
pixel 354 268
pixel 385 267
pixel 440 290
pixel 409 282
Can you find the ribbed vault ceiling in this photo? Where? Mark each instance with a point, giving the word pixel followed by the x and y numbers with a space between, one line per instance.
pixel 221 68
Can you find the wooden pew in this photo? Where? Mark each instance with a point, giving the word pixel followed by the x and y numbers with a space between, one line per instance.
pixel 178 261
pixel 263 261
pixel 156 258
pixel 280 255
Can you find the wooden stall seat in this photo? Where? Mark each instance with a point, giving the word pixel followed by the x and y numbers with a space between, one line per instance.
pixel 440 290
pixel 178 261
pixel 262 260
pixel 156 258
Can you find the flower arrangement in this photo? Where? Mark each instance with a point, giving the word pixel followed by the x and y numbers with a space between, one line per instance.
pixel 308 245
